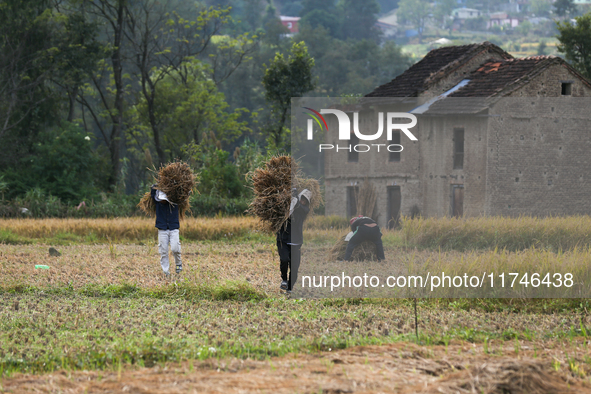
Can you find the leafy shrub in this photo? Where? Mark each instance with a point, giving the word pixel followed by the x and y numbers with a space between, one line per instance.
pixel 40 204
pixel 207 205
pixel 219 177
pixel 61 163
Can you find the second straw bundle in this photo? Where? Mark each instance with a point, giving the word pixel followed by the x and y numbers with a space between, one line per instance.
pixel 177 181
pixel 272 186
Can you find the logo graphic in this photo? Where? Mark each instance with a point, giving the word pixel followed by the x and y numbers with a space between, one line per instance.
pixel 344 123
pixel 315 115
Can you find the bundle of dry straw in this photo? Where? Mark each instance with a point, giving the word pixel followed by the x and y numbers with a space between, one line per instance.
pixel 365 251
pixel 177 181
pixel 366 206
pixel 272 186
pixel 366 199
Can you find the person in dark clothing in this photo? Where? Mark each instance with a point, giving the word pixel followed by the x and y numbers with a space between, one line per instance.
pixel 167 223
pixel 291 237
pixel 364 229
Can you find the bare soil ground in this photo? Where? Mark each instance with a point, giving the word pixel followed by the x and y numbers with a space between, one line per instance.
pixel 395 368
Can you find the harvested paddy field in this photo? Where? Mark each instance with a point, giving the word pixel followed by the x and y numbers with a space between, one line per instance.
pixel 102 318
pixel 401 368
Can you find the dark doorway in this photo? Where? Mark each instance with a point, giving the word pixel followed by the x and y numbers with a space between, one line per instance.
pixel 457 201
pixel 394 200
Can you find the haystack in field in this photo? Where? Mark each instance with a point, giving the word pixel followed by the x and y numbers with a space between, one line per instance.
pixel 365 251
pixel 366 206
pixel 177 181
pixel 272 186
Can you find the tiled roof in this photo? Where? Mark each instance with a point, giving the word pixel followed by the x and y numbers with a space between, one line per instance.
pixel 494 76
pixel 495 79
pixel 434 66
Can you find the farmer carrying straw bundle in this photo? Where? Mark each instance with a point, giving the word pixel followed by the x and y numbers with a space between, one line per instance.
pixel 168 200
pixel 291 237
pixel 283 200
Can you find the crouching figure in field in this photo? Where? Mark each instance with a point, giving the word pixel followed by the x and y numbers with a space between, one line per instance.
pixel 364 229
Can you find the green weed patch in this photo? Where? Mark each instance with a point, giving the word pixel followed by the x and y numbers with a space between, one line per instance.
pixel 123 325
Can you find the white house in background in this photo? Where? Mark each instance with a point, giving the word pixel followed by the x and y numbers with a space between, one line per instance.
pixel 387 29
pixel 388 24
pixel 501 19
pixel 466 13
pixel 582 1
pixel 390 18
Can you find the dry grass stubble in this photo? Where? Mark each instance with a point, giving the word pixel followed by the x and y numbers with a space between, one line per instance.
pixel 121 230
pixel 400 368
pixel 82 265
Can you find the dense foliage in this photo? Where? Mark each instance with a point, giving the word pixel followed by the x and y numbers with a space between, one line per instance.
pixel 94 93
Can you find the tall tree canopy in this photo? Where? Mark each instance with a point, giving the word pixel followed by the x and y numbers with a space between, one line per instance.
pixel 359 19
pixel 575 43
pixel 286 78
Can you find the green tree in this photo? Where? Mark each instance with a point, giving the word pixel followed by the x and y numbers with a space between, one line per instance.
pixel 524 28
pixel 479 24
pixel 359 19
pixel 352 66
pixel 442 11
pixel 3 186
pixel 79 52
pixel 391 63
pixel 274 29
pixel 252 13
pixel 321 13
pixel 387 5
pixel 61 163
pixel 542 48
pixel 416 12
pixel 177 39
pixel 326 19
pixel 331 66
pixel 43 54
pixel 291 8
pixel 540 7
pixel 24 50
pixel 575 43
pixel 564 7
pixel 186 105
pixel 284 79
pixel 312 5
pixel 219 177
pixel 108 84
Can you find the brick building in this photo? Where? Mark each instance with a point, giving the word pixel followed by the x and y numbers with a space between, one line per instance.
pixel 496 136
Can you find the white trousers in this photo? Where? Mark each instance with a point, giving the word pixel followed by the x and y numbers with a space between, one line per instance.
pixel 171 237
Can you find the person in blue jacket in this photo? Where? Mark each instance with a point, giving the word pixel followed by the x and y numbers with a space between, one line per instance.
pixel 291 237
pixel 364 229
pixel 167 223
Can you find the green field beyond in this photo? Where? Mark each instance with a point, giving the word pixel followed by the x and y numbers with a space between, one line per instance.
pixel 103 304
